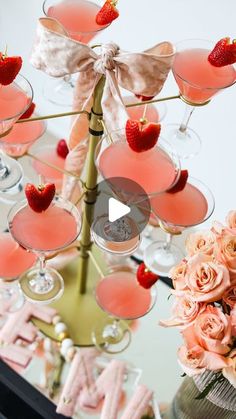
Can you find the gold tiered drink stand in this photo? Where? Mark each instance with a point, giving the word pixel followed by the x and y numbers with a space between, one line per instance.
pixel 77 306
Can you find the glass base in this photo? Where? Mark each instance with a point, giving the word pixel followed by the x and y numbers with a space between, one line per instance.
pixel 15 194
pixel 59 91
pixel 111 336
pixel 185 144
pixel 41 288
pixel 11 297
pixel 160 260
pixel 12 176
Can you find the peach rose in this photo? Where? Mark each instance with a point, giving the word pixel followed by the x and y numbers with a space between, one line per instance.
pixel 195 360
pixel 233 321
pixel 177 274
pixel 230 371
pixel 226 250
pixel 211 330
pixel 185 311
pixel 203 242
pixel 229 296
pixel 206 280
pixel 231 221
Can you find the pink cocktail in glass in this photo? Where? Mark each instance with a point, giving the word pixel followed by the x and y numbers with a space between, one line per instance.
pixel 77 16
pixel 48 231
pixel 198 81
pixel 119 294
pixel 49 174
pixel 21 137
pixel 14 260
pixel 176 212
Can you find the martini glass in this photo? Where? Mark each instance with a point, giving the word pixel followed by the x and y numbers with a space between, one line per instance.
pixel 119 294
pixel 15 99
pixel 176 212
pixel 78 17
pixel 14 260
pixel 41 233
pixel 198 82
pixel 152 112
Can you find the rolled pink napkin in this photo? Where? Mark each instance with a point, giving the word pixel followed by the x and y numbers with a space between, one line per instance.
pixel 80 375
pixel 138 403
pixel 108 386
pixel 17 354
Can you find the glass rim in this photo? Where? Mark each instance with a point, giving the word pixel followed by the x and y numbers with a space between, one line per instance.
pixel 71 33
pixel 109 271
pixel 28 104
pixel 26 142
pixel 193 84
pixel 209 211
pixel 167 146
pixel 23 203
pixel 156 105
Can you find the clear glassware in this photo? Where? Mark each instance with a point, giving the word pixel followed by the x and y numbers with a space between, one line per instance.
pixel 119 294
pixel 14 260
pixel 15 99
pixel 191 207
pixel 60 92
pixel 154 112
pixel 147 236
pixel 198 82
pixel 42 233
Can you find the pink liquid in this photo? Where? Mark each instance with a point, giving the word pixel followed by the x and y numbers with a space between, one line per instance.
pixel 78 18
pixel 52 229
pixel 50 155
pixel 153 170
pixel 197 79
pixel 184 208
pixel 13 259
pixel 136 112
pixel 120 295
pixel 21 137
pixel 13 102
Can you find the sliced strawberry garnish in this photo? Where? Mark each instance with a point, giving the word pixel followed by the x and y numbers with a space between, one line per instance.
pixel 144 98
pixel 107 13
pixel 142 136
pixel 224 53
pixel 9 68
pixel 29 111
pixel 39 198
pixel 145 277
pixel 180 185
pixel 62 149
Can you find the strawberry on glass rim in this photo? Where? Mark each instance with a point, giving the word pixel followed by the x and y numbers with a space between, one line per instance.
pixel 62 148
pixel 142 135
pixel 9 68
pixel 39 198
pixel 29 111
pixel 180 185
pixel 107 13
pixel 223 53
pixel 145 277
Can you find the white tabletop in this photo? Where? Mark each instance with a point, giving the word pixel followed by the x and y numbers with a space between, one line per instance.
pixel 141 25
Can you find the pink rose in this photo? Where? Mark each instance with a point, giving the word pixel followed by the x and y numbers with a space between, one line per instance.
pixel 231 221
pixel 230 371
pixel 200 242
pixel 226 250
pixel 185 311
pixel 229 296
pixel 233 321
pixel 177 274
pixel 206 280
pixel 195 360
pixel 211 330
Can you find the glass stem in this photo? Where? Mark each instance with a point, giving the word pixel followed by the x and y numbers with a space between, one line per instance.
pixel 4 171
pixel 168 242
pixel 42 265
pixel 187 115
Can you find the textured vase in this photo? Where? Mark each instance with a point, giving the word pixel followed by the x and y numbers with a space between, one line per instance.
pixel 219 404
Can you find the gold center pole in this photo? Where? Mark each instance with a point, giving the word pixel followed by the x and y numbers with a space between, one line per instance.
pixel 95 133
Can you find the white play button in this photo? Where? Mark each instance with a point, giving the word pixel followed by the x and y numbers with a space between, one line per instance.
pixel 116 210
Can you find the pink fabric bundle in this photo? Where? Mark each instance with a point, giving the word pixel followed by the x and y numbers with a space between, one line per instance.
pixel 138 404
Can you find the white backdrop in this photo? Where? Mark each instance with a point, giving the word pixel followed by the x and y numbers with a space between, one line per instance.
pixel 141 25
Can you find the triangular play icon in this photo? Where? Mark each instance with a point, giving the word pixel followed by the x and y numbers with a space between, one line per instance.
pixel 116 210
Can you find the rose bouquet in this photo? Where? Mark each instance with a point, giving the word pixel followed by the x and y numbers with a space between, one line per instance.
pixel 205 302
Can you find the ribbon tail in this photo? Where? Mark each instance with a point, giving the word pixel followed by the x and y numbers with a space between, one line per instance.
pixel 114 110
